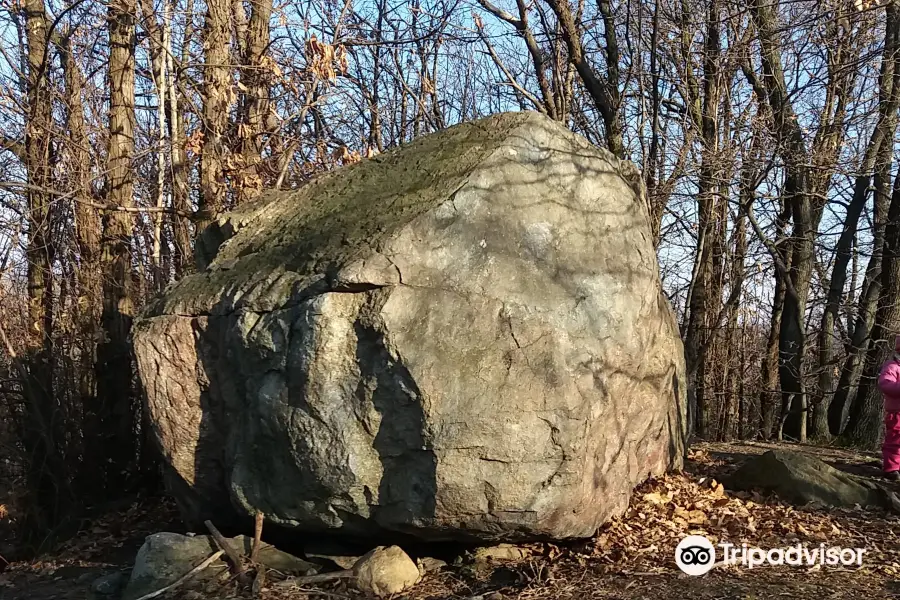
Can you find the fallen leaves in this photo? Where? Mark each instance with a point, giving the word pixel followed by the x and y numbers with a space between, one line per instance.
pixel 634 552
pixel 665 510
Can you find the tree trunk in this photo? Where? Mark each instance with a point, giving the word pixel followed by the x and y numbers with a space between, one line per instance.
pixel 114 361
pixel 256 77
pixel 732 343
pixel 865 425
pixel 768 398
pixel 43 437
pixel 160 51
pixel 87 232
pixel 216 103
pixel 706 291
pixel 804 190
pixel 875 157
pixel 181 200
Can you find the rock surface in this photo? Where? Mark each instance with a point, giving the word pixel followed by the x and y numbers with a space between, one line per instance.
pixel 802 479
pixel 501 552
pixel 165 557
pixel 462 339
pixel 385 571
pixel 110 584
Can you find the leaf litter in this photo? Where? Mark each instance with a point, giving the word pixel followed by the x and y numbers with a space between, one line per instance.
pixel 631 557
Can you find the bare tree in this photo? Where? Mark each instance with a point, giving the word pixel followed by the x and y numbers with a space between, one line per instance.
pixel 114 366
pixel 217 99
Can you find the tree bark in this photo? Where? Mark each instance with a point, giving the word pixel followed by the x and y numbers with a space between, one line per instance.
pixel 181 199
pixel 43 437
pixel 865 426
pixel 874 157
pixel 706 290
pixel 768 396
pixel 114 361
pixel 214 118
pixel 87 233
pixel 256 76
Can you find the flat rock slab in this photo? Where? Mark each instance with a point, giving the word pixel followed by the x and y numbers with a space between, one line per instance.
pixel 461 339
pixel 802 479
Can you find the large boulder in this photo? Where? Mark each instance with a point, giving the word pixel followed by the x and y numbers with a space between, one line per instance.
pixel 463 339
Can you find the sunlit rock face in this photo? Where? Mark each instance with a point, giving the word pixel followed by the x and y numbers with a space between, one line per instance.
pixel 462 339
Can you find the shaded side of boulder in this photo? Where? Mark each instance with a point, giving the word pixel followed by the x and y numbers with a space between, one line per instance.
pixel 462 339
pixel 802 479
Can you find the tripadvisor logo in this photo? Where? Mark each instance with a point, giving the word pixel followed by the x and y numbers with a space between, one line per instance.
pixel 696 555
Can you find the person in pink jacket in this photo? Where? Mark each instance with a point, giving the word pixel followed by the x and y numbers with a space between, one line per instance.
pixel 889 384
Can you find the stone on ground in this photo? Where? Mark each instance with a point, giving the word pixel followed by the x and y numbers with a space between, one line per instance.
pixel 166 557
pixel 462 339
pixel 110 584
pixel 501 552
pixel 428 564
pixel 385 571
pixel 802 479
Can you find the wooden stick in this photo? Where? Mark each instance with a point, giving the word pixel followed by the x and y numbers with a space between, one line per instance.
pixel 185 577
pixel 233 557
pixel 257 537
pixel 321 578
pixel 322 593
pixel 259 582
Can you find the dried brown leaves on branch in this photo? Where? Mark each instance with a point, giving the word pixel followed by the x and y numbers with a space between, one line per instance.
pixel 324 60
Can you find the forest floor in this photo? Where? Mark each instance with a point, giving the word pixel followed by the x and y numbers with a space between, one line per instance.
pixel 630 558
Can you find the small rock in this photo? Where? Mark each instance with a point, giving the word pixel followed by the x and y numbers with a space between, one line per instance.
pixel 385 571
pixel 430 565
pixel 501 552
pixel 111 584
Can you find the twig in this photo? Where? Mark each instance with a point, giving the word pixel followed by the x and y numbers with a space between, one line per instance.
pixel 259 582
pixel 15 185
pixel 185 577
pixel 321 578
pixel 233 556
pixel 257 537
pixel 321 593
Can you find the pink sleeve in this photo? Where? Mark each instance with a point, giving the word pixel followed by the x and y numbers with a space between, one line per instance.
pixel 889 381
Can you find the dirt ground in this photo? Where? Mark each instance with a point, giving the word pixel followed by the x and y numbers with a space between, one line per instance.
pixel 630 558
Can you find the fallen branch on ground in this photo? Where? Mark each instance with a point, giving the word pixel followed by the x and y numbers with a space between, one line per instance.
pixel 233 557
pixel 321 578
